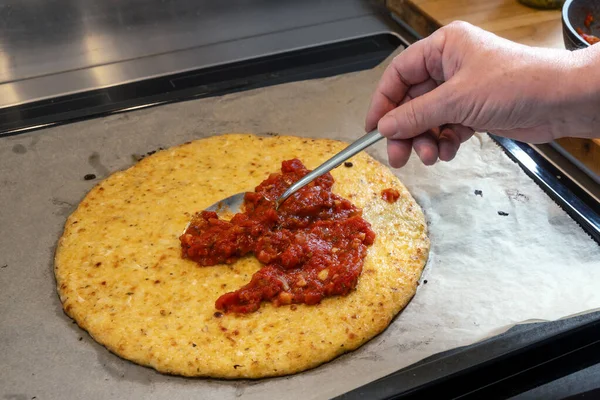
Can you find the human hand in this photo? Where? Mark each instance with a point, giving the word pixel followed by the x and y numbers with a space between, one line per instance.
pixel 461 79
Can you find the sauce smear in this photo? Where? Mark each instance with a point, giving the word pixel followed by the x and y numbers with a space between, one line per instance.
pixel 390 195
pixel 313 247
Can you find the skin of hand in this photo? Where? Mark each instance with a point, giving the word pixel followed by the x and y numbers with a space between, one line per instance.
pixel 461 79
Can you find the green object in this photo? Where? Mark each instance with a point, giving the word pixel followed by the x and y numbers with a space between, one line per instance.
pixel 544 4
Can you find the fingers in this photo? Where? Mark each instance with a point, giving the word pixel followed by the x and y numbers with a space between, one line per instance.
pixel 448 145
pixel 436 143
pixel 426 147
pixel 380 105
pixel 413 97
pixel 407 69
pixel 399 152
pixel 422 113
pixel 419 90
pixel 450 139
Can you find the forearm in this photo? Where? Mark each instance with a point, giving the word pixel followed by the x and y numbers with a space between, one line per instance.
pixel 581 111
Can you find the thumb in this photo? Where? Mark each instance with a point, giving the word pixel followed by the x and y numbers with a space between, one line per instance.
pixel 418 115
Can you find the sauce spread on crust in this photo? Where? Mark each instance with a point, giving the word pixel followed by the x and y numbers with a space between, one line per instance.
pixel 390 195
pixel 313 247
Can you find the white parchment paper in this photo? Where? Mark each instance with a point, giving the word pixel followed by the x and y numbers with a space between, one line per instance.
pixel 486 272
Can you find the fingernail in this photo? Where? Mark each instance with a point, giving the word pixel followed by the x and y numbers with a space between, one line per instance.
pixel 388 126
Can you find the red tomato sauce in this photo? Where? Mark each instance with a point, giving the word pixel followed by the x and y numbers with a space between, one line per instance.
pixel 390 195
pixel 589 18
pixel 313 246
pixel 591 39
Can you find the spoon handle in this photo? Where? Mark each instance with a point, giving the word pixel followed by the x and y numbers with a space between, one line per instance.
pixel 334 162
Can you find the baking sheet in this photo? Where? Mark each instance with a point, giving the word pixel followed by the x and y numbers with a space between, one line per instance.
pixel 486 272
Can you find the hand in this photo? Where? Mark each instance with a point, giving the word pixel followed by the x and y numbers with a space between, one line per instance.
pixel 437 92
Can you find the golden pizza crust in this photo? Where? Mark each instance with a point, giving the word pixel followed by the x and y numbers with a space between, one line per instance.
pixel 120 274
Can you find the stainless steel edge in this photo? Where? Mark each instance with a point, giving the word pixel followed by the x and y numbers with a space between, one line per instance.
pixel 313 24
pixel 571 167
pixel 595 177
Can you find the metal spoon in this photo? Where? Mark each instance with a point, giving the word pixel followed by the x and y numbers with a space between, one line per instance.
pixel 233 204
pixel 356 147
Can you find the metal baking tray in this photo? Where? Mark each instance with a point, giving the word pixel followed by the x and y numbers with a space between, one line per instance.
pixel 525 357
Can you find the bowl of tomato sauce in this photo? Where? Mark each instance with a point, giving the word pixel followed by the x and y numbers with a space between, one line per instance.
pixel 581 23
